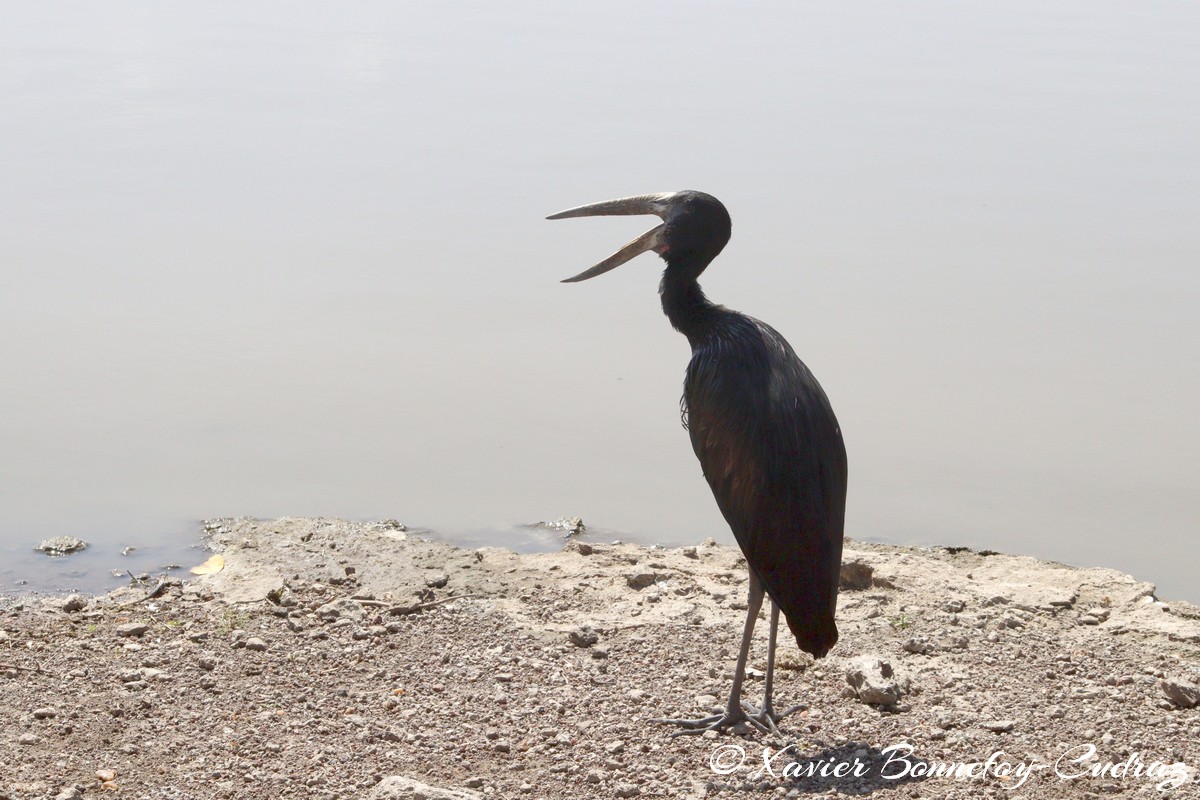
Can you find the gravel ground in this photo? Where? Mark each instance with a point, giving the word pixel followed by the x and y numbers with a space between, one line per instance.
pixel 330 659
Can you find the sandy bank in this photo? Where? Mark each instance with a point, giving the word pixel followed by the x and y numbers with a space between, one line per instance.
pixel 331 659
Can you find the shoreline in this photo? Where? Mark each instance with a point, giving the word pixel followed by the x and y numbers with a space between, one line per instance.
pixel 327 658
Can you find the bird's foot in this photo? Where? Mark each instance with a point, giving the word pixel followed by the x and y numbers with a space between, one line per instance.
pixel 766 718
pixel 717 722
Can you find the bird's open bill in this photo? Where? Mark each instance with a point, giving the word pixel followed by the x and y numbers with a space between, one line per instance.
pixel 658 204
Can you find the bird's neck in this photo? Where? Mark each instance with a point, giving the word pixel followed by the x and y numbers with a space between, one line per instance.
pixel 684 303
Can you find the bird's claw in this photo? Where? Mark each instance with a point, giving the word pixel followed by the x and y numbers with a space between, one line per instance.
pixel 765 718
pixel 717 722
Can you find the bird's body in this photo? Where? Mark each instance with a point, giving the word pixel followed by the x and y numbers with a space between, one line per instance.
pixel 771 449
pixel 763 431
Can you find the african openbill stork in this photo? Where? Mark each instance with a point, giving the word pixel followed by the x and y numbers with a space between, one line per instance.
pixel 763 430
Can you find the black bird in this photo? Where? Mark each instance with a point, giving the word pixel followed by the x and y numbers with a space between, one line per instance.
pixel 763 430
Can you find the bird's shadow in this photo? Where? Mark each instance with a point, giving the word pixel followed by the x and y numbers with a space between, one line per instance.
pixel 853 768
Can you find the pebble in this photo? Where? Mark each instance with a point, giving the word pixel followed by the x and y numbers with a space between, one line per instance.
pixel 999 725
pixel 255 643
pixel 28 738
pixel 640 580
pixel 874 682
pixel 918 645
pixel 61 545
pixel 627 790
pixel 856 576
pixel 132 629
pixel 584 636
pixel 1181 693
pixel 44 713
pixel 74 602
pixel 344 608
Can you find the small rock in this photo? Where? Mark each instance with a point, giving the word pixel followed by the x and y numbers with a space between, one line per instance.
pixel 570 526
pixel 344 608
pixel 627 790
pixel 856 575
pixel 255 643
pixel 640 580
pixel 689 552
pixel 1181 694
pixel 954 606
pixel 44 713
pixel 74 602
pixel 132 629
pixel 27 739
pixel 874 682
pixel 919 645
pixel 106 774
pixel 999 725
pixel 397 787
pixel 584 636
pixel 61 545
pixel 437 580
pixel 612 748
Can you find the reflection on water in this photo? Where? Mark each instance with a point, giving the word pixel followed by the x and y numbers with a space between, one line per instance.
pixel 273 260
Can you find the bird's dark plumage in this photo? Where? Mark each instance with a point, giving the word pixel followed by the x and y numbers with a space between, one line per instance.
pixel 772 452
pixel 764 432
pixel 761 426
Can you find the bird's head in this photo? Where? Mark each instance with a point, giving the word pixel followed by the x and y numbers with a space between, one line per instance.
pixel 695 228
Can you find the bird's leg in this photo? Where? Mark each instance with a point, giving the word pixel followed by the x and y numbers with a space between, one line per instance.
pixel 733 713
pixel 766 715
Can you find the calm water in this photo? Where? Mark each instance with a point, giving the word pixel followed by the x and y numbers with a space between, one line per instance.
pixel 290 259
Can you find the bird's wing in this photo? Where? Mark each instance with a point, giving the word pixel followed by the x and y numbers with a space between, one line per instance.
pixel 772 453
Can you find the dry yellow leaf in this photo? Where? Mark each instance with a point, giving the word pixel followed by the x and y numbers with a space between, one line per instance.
pixel 214 564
